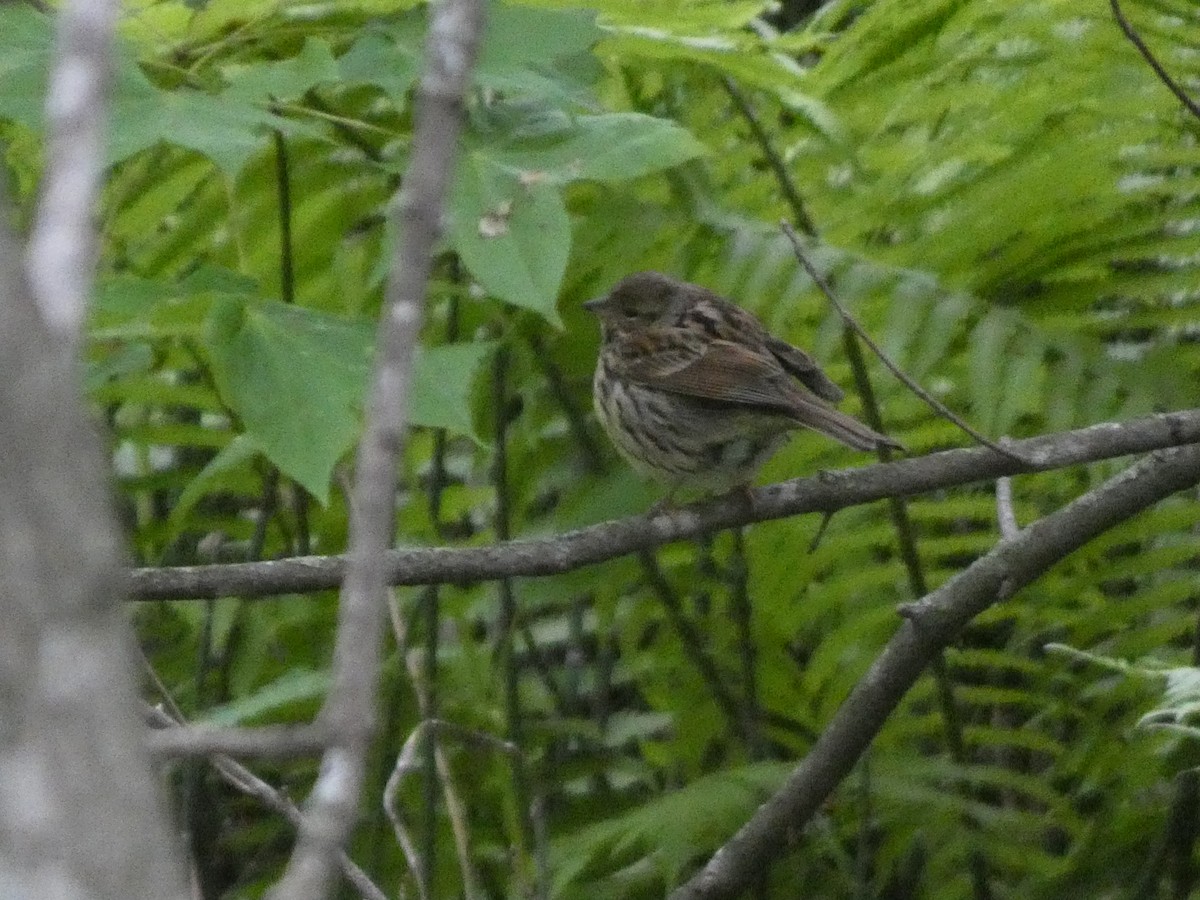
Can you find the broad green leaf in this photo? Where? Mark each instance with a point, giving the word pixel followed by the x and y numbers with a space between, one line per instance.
pixel 524 48
pixel 294 378
pixel 442 385
pixel 129 308
pixel 227 132
pixel 287 79
pixel 513 237
pixel 526 51
pixel 26 46
pixel 373 59
pixel 611 147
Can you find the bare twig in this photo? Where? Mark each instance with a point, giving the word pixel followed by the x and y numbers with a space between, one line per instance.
pixel 897 507
pixel 1006 516
pixel 241 778
pixel 742 613
pixel 410 761
pixel 931 624
pixel 456 808
pixel 906 541
pixel 454 31
pixel 850 322
pixel 1148 55
pixel 778 167
pixel 827 492
pixel 404 766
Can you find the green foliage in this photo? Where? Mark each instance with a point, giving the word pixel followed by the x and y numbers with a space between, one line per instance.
pixel 1006 197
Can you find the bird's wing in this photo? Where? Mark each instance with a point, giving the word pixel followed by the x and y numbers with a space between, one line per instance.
pixel 726 372
pixel 711 370
pixel 804 367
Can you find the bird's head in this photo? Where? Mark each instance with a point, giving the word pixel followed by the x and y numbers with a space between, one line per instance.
pixel 639 301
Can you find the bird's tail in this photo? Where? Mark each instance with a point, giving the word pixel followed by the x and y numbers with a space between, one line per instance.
pixel 812 413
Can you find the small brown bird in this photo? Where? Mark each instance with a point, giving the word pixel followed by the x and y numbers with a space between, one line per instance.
pixel 695 392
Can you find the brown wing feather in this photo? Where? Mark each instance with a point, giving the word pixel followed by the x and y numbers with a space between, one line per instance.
pixel 731 373
pixel 805 368
pixel 717 370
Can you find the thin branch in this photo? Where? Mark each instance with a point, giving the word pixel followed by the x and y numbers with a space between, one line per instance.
pixel 850 322
pixel 456 808
pixel 1148 55
pixel 1006 516
pixel 268 741
pixel 576 418
pixel 930 625
pixel 504 655
pixel 62 246
pixel 350 709
pixel 826 492
pixel 778 167
pixel 287 293
pixel 242 779
pixel 897 508
pixel 283 188
pixel 410 761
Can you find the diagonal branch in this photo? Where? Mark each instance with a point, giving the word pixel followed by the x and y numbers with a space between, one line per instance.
pixel 1147 54
pixel 454 31
pixel 852 324
pixel 826 492
pixel 241 778
pixel 933 622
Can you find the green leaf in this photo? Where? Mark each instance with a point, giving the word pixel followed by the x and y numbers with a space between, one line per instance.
pixel 297 686
pixel 524 48
pixel 539 53
pixel 227 131
pixel 666 832
pixel 295 379
pixel 129 308
pixel 442 384
pixel 513 238
pixel 229 459
pixel 286 79
pixel 26 47
pixel 373 59
pixel 612 147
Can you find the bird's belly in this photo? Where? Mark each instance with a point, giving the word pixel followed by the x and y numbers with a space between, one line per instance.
pixel 683 442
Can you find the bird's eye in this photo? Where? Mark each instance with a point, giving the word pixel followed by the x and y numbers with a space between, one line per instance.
pixel 629 312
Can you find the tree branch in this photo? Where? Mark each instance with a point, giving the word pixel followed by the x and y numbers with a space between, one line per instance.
pixel 454 31
pixel 80 808
pixel 266 741
pixel 1147 54
pixel 826 492
pixel 241 778
pixel 62 245
pixel 933 622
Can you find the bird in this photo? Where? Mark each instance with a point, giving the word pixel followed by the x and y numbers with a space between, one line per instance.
pixel 696 393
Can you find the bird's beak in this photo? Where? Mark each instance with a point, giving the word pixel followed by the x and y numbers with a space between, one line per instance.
pixel 593 305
